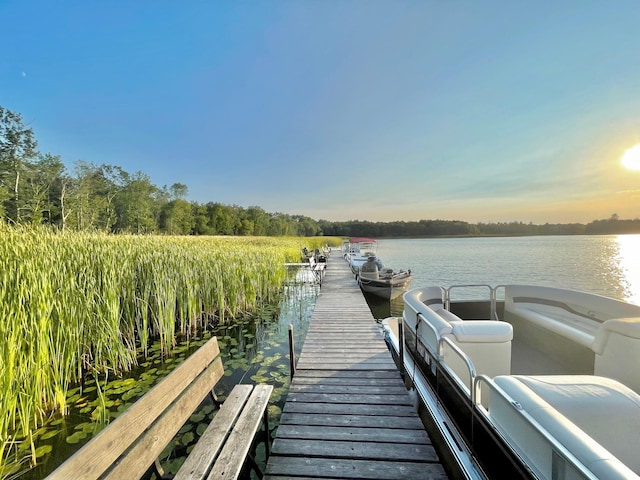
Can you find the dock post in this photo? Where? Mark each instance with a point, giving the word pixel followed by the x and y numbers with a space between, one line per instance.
pixel 292 354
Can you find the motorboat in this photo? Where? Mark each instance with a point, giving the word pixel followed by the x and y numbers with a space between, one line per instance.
pixel 375 279
pixel 357 250
pixel 524 381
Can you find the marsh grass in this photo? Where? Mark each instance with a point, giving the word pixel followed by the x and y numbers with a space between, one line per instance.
pixel 87 305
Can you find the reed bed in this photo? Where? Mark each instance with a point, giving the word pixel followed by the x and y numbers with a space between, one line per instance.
pixel 74 305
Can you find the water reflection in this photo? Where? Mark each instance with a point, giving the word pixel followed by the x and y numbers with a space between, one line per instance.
pixel 629 261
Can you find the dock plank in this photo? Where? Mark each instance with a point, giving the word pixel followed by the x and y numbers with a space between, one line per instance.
pixel 280 468
pixel 352 434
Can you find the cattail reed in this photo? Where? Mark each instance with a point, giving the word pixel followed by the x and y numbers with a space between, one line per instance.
pixel 75 304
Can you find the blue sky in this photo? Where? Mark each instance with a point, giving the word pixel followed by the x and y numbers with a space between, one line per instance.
pixel 481 111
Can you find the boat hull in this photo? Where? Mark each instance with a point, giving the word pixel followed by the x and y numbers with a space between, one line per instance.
pixel 387 289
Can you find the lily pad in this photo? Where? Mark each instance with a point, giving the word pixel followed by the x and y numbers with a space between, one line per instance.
pixel 50 434
pixel 76 437
pixel 197 417
pixel 42 450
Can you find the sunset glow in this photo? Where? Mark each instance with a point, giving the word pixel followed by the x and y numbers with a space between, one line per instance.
pixel 631 158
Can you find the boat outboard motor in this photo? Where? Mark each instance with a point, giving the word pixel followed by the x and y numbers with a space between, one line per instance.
pixel 371 268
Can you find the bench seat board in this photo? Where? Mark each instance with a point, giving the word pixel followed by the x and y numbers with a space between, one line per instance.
pixel 199 461
pixel 229 464
pixel 97 456
pixel 153 441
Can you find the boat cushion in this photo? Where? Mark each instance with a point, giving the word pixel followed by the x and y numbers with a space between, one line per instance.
pixel 580 332
pixel 482 331
pixel 627 327
pixel 596 418
pixel 448 316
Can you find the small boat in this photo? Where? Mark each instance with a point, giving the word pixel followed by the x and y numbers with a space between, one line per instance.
pixel 374 278
pixel 357 250
pixel 527 382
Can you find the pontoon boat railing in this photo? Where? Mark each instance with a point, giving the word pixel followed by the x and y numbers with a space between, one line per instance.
pixel 492 296
pixel 438 355
pixel 464 357
pixel 436 334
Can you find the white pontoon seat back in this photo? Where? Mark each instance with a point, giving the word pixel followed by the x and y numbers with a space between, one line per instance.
pixel 487 343
pixel 576 316
pixel 617 351
pixel 596 419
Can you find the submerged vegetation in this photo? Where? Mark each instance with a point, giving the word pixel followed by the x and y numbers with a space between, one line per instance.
pixel 76 306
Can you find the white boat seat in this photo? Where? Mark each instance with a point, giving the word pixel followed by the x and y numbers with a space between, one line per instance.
pixel 582 332
pixel 487 343
pixel 597 419
pixel 482 331
pixel 617 351
pixel 448 316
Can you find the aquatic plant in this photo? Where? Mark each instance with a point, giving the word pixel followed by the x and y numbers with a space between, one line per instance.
pixel 78 305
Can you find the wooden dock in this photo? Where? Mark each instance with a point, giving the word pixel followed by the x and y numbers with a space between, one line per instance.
pixel 347 414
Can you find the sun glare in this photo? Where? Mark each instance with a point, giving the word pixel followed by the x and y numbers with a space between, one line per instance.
pixel 631 158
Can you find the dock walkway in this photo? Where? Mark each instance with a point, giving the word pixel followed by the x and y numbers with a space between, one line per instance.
pixel 347 414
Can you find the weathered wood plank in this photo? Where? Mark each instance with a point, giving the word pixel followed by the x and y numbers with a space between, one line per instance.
pixel 410 422
pixel 362 469
pixel 116 438
pixel 331 361
pixel 350 409
pixel 367 389
pixel 326 373
pixel 347 382
pixel 390 401
pixel 320 348
pixel 353 434
pixel 372 356
pixel 345 366
pixel 355 450
pixel 199 461
pixel 153 441
pixel 229 464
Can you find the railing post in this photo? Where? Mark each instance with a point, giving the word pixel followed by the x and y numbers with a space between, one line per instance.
pixel 292 354
pixel 401 345
pixel 267 434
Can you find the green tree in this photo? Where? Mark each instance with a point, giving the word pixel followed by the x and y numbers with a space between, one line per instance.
pixel 179 191
pixel 177 218
pixel 138 206
pixel 42 190
pixel 92 196
pixel 17 149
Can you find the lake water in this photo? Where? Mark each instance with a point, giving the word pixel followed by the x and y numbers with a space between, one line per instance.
pixel 606 265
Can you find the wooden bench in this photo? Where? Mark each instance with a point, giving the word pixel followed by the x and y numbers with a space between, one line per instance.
pixel 130 445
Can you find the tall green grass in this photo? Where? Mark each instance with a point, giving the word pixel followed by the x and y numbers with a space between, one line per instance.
pixel 77 304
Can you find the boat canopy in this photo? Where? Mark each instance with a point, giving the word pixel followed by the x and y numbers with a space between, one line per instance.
pixel 361 240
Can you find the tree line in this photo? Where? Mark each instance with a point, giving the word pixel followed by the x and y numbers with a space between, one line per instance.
pixel 430 228
pixel 37 188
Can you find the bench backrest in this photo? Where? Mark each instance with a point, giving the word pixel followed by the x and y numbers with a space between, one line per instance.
pixel 129 445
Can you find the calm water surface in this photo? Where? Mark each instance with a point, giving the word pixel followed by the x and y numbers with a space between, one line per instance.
pixel 605 265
